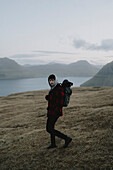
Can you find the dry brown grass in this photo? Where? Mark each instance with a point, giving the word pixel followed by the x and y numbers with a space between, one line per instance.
pixel 88 120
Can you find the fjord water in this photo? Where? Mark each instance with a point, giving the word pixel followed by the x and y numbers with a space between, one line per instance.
pixel 11 86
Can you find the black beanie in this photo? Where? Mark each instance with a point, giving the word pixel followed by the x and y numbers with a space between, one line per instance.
pixel 52 76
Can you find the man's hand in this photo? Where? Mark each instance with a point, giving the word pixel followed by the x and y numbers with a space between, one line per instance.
pixel 47 97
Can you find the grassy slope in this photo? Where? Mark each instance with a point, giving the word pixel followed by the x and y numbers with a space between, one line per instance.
pixel 88 120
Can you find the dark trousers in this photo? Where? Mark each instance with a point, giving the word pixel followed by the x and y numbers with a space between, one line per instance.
pixel 50 129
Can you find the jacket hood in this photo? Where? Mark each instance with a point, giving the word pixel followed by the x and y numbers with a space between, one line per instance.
pixel 56 82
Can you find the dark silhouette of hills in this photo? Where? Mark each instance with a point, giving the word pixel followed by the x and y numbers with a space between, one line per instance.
pixel 103 78
pixel 81 68
pixel 9 69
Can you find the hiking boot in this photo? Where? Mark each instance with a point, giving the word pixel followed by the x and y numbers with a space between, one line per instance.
pixel 51 146
pixel 67 141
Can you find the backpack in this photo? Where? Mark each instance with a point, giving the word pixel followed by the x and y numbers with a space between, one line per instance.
pixel 67 91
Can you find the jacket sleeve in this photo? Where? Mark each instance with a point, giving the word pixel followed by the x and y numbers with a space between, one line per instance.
pixel 47 97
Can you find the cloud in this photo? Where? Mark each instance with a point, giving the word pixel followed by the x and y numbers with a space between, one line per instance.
pixel 38 54
pixel 80 43
pixel 109 56
pixel 27 55
pixel 53 52
pixel 105 45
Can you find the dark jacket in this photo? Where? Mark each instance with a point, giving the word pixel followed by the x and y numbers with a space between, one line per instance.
pixel 55 101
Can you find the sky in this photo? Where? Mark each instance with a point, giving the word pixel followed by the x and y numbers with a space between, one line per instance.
pixel 63 31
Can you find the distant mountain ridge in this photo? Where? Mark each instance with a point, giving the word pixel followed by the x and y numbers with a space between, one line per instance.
pixel 9 69
pixel 81 68
pixel 103 78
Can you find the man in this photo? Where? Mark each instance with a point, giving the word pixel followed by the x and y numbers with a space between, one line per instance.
pixel 54 111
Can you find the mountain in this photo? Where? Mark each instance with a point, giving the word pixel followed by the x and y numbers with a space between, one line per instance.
pixel 81 69
pixel 103 78
pixel 99 66
pixel 9 69
pixel 27 65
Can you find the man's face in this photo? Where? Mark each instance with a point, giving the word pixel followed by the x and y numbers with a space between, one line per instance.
pixel 51 82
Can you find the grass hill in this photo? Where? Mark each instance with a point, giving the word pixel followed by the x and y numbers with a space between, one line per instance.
pixel 88 120
pixel 103 78
pixel 9 69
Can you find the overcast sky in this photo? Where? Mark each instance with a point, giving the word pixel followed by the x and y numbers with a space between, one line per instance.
pixel 43 31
